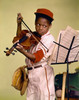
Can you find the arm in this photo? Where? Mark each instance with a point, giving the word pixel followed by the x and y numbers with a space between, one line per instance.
pixel 25 53
pixel 20 47
pixel 19 27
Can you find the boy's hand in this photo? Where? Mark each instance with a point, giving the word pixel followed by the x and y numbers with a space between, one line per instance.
pixel 19 47
pixel 19 17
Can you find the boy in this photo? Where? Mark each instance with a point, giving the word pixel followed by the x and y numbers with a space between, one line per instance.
pixel 40 74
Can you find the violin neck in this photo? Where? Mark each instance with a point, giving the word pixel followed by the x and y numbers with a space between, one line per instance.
pixel 11 49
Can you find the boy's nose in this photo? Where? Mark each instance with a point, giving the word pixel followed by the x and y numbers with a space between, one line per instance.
pixel 41 27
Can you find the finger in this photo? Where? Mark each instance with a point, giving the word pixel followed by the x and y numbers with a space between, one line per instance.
pixel 29 35
pixel 16 41
pixel 19 16
pixel 20 46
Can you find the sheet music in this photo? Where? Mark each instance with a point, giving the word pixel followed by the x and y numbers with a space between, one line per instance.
pixel 73 54
pixel 66 38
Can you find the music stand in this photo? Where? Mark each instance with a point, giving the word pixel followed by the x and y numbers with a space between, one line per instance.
pixel 66 60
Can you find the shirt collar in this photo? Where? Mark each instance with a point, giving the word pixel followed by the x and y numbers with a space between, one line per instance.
pixel 45 34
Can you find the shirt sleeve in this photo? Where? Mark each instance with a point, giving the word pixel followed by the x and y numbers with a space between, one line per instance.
pixel 38 55
pixel 41 51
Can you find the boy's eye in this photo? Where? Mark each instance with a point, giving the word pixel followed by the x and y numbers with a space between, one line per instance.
pixel 42 25
pixel 38 24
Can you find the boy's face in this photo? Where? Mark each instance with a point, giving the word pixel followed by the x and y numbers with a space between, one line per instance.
pixel 42 26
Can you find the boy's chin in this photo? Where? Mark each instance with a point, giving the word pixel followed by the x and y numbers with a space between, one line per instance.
pixel 40 33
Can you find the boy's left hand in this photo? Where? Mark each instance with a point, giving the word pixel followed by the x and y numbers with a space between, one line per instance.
pixel 19 47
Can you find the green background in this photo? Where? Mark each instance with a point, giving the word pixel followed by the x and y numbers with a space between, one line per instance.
pixel 66 12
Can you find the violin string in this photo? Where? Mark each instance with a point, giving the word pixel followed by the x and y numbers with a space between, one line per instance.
pixel 24 25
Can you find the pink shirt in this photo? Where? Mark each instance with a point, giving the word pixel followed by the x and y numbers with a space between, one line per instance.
pixel 41 80
pixel 47 39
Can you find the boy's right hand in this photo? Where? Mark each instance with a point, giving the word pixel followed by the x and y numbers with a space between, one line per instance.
pixel 19 17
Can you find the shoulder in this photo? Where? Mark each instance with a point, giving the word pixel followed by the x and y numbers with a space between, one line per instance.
pixel 47 38
pixel 51 37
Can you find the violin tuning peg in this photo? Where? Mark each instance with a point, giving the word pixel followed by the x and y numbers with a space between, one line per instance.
pixel 13 53
pixel 7 48
pixel 4 51
pixel 15 50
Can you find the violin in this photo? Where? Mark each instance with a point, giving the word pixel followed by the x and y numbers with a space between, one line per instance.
pixel 24 40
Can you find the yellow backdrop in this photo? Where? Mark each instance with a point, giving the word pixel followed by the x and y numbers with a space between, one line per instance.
pixel 66 12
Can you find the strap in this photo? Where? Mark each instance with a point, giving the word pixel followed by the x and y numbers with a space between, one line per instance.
pixel 30 68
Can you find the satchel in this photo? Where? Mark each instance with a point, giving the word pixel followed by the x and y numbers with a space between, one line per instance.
pixel 20 79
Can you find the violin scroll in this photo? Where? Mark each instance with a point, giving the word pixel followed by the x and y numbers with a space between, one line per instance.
pixel 10 51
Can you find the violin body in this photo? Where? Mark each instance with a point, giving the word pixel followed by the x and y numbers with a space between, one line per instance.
pixel 23 40
pixel 26 44
pixel 29 41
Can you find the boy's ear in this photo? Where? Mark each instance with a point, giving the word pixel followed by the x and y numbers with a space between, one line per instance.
pixel 50 25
